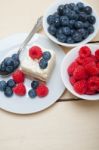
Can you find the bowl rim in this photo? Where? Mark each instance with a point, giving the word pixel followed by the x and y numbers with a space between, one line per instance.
pixel 45 25
pixel 67 83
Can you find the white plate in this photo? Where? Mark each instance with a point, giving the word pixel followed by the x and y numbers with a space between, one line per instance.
pixel 68 59
pixel 26 105
pixel 52 9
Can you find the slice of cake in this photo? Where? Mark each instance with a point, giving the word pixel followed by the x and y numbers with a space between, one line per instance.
pixel 38 62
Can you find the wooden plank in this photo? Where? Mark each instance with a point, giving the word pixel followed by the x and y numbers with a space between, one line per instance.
pixel 66 125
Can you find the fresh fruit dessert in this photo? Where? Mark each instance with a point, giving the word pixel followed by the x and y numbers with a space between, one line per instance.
pixel 71 23
pixel 38 62
pixel 84 72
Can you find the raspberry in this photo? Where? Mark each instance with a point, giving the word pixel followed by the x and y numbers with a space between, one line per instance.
pixel 90 92
pixel 88 60
pixel 72 67
pixel 97 65
pixel 18 76
pixel 42 90
pixel 20 89
pixel 79 73
pixel 79 60
pixel 93 83
pixel 80 87
pixel 84 52
pixel 97 54
pixel 35 52
pixel 72 80
pixel 91 69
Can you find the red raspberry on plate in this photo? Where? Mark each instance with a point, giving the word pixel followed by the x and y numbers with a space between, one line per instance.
pixel 90 92
pixel 42 90
pixel 72 67
pixel 79 73
pixel 72 80
pixel 88 60
pixel 97 64
pixel 80 87
pixel 18 76
pixel 93 83
pixel 79 60
pixel 84 51
pixel 91 69
pixel 97 54
pixel 19 89
pixel 35 52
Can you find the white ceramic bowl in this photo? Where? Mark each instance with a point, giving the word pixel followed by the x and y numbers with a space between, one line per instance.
pixel 52 9
pixel 68 59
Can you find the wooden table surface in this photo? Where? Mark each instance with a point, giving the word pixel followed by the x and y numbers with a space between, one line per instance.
pixel 71 123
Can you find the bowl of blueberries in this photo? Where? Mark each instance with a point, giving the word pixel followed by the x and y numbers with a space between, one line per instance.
pixel 70 23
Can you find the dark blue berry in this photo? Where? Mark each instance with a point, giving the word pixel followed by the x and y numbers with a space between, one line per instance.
pixel 86 24
pixel 61 38
pixel 15 56
pixel 71 6
pixel 57 22
pixel 60 9
pixel 16 63
pixel 73 15
pixel 64 21
pixel 11 83
pixel 52 30
pixel 73 31
pixel 82 32
pixel 77 37
pixel 66 12
pixel 8 61
pixel 88 10
pixel 2 66
pixel 70 40
pixel 3 85
pixel 32 93
pixel 79 24
pixel 60 31
pixel 34 84
pixel 50 19
pixel 46 55
pixel 80 5
pixel 82 17
pixel 72 24
pixel 92 19
pixel 90 29
pixel 9 69
pixel 43 64
pixel 8 92
pixel 55 15
pixel 66 30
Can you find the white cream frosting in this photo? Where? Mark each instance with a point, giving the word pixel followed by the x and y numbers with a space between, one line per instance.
pixel 31 67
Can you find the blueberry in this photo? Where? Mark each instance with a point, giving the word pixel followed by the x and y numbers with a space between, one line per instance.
pixel 66 31
pixel 86 24
pixel 73 15
pixel 71 6
pixel 2 66
pixel 82 17
pixel 90 29
pixel 32 93
pixel 61 38
pixel 72 24
pixel 43 64
pixel 57 22
pixel 66 6
pixel 9 69
pixel 46 55
pixel 60 9
pixel 76 9
pixel 8 92
pixel 64 20
pixel 50 19
pixel 88 10
pixel 85 35
pixel 78 24
pixel 73 31
pixel 16 63
pixel 70 40
pixel 52 30
pixel 66 12
pixel 82 32
pixel 15 56
pixel 60 31
pixel 91 19
pixel 55 15
pixel 77 37
pixel 34 84
pixel 3 85
pixel 11 83
pixel 8 61
pixel 80 5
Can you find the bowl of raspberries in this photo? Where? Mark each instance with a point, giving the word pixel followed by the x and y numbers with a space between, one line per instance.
pixel 70 23
pixel 80 71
